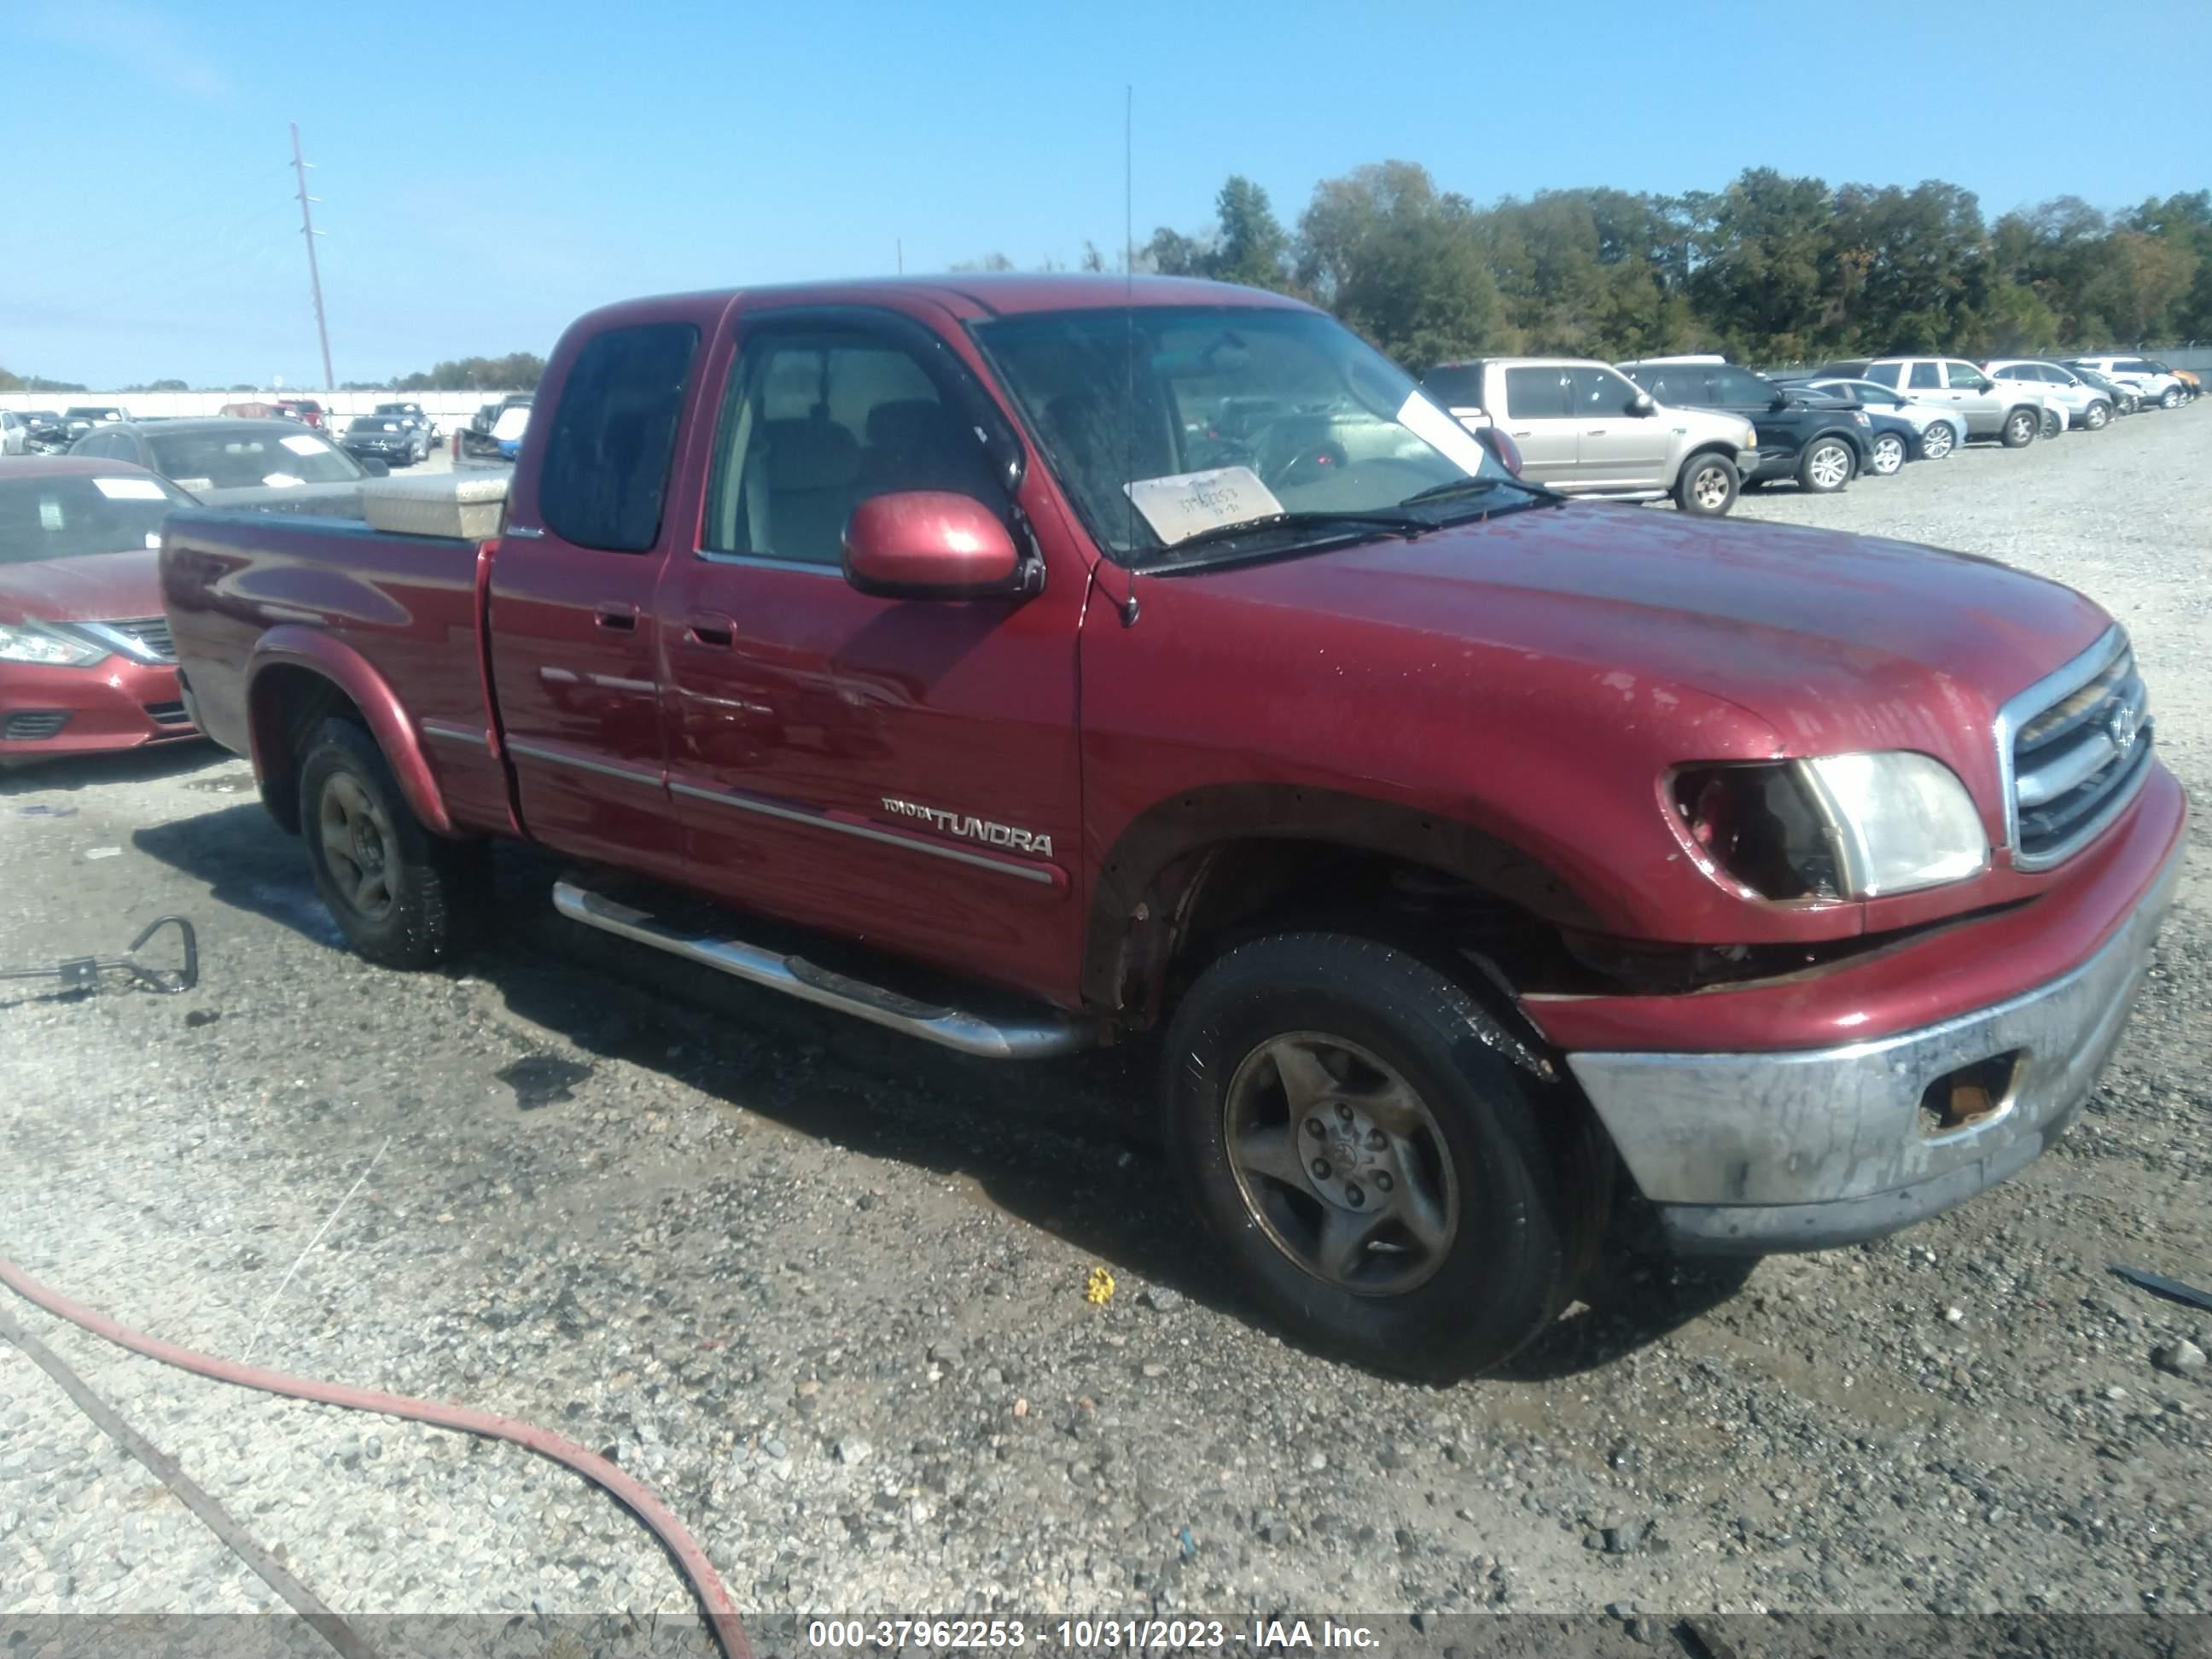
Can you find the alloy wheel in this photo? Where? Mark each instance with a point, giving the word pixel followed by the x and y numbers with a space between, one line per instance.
pixel 1937 441
pixel 1830 467
pixel 1341 1164
pixel 1888 454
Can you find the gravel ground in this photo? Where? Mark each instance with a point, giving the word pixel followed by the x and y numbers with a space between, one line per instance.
pixel 824 1288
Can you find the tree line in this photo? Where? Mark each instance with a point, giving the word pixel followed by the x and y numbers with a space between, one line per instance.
pixel 1772 268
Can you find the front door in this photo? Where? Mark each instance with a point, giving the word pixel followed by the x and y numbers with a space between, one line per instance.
pixel 1975 396
pixel 1540 416
pixel 903 772
pixel 1616 448
pixel 575 658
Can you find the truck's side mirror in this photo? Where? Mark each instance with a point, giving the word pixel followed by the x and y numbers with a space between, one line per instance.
pixel 930 545
pixel 1642 404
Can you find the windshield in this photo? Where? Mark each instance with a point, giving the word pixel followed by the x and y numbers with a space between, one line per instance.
pixel 66 515
pixel 243 460
pixel 88 413
pixel 1223 416
pixel 367 424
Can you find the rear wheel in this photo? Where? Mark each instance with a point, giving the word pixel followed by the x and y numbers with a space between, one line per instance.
pixel 1826 467
pixel 2020 427
pixel 402 897
pixel 1707 487
pixel 2098 415
pixel 1888 455
pixel 1386 1179
pixel 2053 423
pixel 1938 440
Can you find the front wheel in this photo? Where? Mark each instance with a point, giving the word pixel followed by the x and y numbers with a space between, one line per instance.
pixel 1888 455
pixel 1938 440
pixel 2020 427
pixel 2053 423
pixel 1385 1178
pixel 2098 415
pixel 1707 488
pixel 1826 468
pixel 402 897
pixel 2170 398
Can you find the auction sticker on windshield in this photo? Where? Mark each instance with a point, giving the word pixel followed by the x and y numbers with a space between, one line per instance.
pixel 1183 504
pixel 128 489
pixel 304 445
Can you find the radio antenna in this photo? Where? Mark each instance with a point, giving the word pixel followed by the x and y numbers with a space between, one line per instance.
pixel 1129 606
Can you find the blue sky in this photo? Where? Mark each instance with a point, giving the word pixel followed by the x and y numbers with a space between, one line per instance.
pixel 488 169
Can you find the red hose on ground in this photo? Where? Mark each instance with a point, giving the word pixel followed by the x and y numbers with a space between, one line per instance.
pixel 690 1561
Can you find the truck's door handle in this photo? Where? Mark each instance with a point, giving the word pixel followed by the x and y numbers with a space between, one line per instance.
pixel 710 631
pixel 1521 432
pixel 622 618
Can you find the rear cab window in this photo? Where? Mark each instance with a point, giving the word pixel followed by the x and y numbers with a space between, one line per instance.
pixel 603 481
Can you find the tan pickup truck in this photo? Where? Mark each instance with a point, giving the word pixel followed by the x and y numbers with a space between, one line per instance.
pixel 1585 428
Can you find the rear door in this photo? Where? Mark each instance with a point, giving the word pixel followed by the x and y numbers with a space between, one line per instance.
pixel 1616 448
pixel 1540 415
pixel 574 641
pixel 903 772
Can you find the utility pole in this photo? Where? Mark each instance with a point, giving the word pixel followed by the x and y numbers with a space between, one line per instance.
pixel 314 276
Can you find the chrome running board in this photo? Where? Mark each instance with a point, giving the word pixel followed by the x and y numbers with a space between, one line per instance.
pixel 1035 1038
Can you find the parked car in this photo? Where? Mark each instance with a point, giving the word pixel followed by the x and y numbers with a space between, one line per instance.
pixel 86 664
pixel 506 431
pixel 1937 432
pixel 1585 429
pixel 395 440
pixel 2125 400
pixel 257 410
pixel 477 438
pixel 14 432
pixel 305 410
pixel 1467 846
pixel 1821 444
pixel 414 412
pixel 2153 382
pixel 2085 406
pixel 79 418
pixel 2013 415
pixel 276 465
pixel 1891 440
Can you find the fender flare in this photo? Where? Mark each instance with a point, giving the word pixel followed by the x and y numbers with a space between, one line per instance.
pixel 1191 821
pixel 292 645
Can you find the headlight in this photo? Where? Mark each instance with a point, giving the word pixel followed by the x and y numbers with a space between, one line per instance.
pixel 30 641
pixel 1837 826
pixel 1750 437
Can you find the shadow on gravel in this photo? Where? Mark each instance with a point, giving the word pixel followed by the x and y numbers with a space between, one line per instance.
pixel 1637 1297
pixel 166 760
pixel 248 862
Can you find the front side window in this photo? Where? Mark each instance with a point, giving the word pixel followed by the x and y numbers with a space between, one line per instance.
pixel 604 477
pixel 1964 376
pixel 1739 388
pixel 1458 386
pixel 247 457
pixel 1680 386
pixel 1128 408
pixel 1600 393
pixel 819 420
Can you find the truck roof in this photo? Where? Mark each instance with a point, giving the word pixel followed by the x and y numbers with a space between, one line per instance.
pixel 990 293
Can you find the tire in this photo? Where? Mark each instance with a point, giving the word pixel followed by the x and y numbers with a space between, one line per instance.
pixel 2098 415
pixel 2171 397
pixel 2020 427
pixel 404 898
pixel 1826 466
pixel 2054 423
pixel 1938 440
pixel 1708 486
pixel 1322 1029
pixel 1889 458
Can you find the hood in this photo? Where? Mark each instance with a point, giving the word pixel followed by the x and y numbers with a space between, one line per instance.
pixel 95 587
pixel 1835 641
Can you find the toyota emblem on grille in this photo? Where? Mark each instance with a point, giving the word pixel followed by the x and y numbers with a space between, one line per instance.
pixel 2122 726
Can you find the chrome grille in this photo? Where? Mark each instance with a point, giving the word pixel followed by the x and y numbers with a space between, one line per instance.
pixel 2074 748
pixel 152 633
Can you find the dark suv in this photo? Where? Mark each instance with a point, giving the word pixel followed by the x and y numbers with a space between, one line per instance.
pixel 1819 443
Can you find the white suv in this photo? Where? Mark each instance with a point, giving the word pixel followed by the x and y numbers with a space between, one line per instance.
pixel 2084 404
pixel 2152 384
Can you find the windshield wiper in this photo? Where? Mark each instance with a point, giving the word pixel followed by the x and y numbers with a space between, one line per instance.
pixel 1385 520
pixel 1475 485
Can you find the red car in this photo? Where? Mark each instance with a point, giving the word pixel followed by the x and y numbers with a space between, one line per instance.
pixel 85 660
pixel 1475 856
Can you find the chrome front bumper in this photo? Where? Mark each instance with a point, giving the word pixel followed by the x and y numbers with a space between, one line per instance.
pixel 1801 1151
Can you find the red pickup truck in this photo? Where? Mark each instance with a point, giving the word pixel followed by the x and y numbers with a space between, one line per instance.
pixel 1478 859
